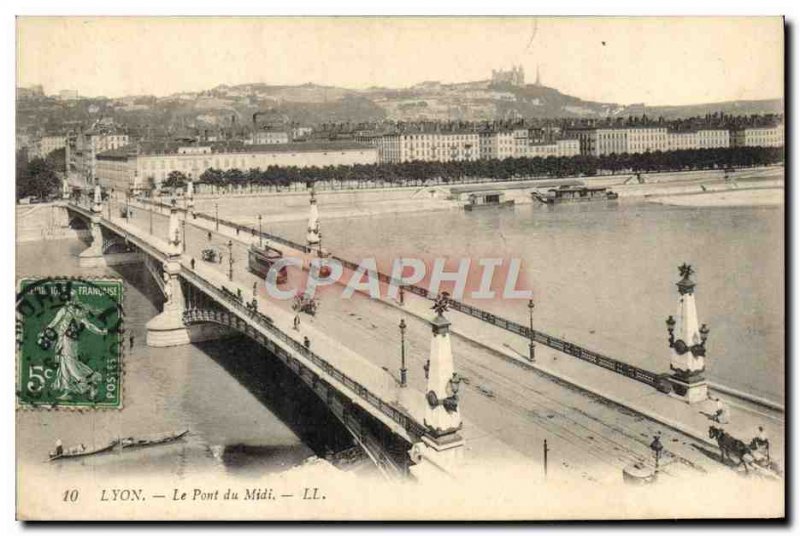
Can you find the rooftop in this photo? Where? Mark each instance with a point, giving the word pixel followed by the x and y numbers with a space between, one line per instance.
pixel 228 147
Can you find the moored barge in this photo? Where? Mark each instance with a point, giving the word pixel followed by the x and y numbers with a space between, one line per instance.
pixel 574 194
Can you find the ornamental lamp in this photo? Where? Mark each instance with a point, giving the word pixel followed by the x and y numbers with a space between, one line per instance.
pixel 454 383
pixel 704 331
pixel 670 324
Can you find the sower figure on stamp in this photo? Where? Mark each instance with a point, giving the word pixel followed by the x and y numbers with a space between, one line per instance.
pixel 72 375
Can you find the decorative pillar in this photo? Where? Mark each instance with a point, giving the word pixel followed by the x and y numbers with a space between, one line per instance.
pixel 174 233
pixel 97 204
pixel 688 344
pixel 168 328
pixel 92 257
pixel 190 199
pixel 442 446
pixel 313 237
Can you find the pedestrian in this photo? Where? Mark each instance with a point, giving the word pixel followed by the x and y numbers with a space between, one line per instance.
pixel 255 288
pixel 306 343
pixel 209 236
pixel 192 263
pixel 762 440
pixel 721 415
pixel 296 322
pixel 130 341
pixel 59 448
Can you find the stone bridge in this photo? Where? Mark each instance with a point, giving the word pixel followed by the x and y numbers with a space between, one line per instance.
pixel 403 432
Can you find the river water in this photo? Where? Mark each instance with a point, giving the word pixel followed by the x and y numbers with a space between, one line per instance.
pixel 246 413
pixel 604 275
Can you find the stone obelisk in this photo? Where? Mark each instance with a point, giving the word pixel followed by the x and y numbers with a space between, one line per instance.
pixel 687 339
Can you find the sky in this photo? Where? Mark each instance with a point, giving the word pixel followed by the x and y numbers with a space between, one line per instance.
pixel 656 61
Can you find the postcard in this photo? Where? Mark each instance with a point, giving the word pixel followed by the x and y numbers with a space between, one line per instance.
pixel 400 268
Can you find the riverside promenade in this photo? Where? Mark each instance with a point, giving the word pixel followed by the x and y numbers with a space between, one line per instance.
pixel 588 414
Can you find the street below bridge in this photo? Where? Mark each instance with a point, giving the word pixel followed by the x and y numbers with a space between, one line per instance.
pixel 587 436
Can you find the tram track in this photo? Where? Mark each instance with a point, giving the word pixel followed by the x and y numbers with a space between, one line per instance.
pixel 592 433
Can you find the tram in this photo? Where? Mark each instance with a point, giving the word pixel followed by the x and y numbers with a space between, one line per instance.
pixel 261 258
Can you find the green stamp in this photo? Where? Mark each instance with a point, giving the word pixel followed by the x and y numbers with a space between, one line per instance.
pixel 69 343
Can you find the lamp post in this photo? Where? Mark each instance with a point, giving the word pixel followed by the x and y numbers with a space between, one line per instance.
pixel 403 370
pixel 531 346
pixel 183 224
pixel 150 210
pixel 545 450
pixel 656 447
pixel 216 215
pixel 230 260
pixel 260 238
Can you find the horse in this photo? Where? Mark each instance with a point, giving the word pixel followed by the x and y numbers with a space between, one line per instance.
pixel 730 445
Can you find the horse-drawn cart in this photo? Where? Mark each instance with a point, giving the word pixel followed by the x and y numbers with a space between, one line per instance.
pixel 753 457
pixel 302 304
pixel 211 255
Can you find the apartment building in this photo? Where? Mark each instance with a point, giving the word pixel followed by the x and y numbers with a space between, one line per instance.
pixel 147 165
pixel 758 137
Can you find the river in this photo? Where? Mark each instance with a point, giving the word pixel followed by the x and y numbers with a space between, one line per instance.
pixel 604 274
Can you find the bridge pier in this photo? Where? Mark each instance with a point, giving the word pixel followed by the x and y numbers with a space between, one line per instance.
pixel 168 329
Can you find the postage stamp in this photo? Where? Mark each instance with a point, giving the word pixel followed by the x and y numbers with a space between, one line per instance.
pixel 69 342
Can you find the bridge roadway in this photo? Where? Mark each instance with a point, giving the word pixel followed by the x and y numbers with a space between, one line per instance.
pixel 502 404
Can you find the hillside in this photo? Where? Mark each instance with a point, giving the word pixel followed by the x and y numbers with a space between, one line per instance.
pixel 234 106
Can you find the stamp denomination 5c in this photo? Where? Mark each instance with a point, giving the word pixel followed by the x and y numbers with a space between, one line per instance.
pixel 69 342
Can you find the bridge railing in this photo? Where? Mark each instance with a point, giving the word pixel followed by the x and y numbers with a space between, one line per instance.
pixel 415 429
pixel 620 367
pixel 595 358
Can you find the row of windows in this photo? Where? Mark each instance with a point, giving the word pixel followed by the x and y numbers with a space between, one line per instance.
pixel 224 163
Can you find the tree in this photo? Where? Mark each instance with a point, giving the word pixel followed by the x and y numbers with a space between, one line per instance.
pixel 58 159
pixel 211 176
pixel 36 178
pixel 175 179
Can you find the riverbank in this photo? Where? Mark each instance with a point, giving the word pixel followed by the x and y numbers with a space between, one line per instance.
pixel 346 204
pixel 46 221
pixel 750 197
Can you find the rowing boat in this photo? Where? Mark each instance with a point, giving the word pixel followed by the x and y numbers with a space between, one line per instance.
pixel 121 444
pixel 79 451
pixel 149 441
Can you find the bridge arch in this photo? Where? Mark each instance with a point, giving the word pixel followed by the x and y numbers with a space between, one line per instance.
pixel 387 452
pixel 117 243
pixel 77 223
